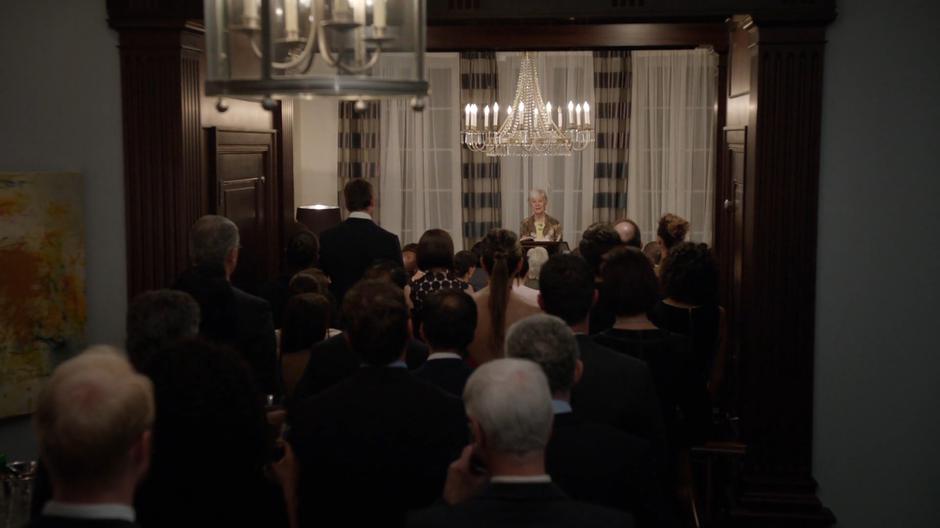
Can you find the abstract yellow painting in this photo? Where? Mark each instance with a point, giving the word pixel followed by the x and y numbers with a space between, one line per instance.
pixel 42 282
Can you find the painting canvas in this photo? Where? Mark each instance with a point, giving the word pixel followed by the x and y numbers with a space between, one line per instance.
pixel 42 282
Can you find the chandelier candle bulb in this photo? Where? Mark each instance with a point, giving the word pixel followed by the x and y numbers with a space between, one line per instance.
pixel 379 14
pixel 495 115
pixel 577 112
pixel 486 116
pixel 559 118
pixel 570 112
pixel 473 116
pixel 587 114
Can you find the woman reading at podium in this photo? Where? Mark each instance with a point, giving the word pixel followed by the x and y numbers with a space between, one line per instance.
pixel 540 227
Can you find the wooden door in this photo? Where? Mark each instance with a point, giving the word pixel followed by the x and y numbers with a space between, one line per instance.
pixel 242 179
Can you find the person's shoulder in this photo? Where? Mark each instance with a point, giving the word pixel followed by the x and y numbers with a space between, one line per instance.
pixel 245 299
pixel 437 515
pixel 591 515
pixel 596 348
pixel 329 234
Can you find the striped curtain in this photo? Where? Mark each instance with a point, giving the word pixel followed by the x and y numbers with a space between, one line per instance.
pixel 612 77
pixel 479 173
pixel 358 149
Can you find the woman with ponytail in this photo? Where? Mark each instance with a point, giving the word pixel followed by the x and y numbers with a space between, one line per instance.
pixel 498 306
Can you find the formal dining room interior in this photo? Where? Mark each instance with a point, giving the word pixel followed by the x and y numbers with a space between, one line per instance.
pixel 788 145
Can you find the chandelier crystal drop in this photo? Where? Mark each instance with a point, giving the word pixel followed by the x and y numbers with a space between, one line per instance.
pixel 528 127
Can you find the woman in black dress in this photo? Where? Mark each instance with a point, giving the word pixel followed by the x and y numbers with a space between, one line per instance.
pixel 689 280
pixel 630 290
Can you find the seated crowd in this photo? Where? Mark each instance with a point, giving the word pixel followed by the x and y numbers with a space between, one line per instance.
pixel 378 386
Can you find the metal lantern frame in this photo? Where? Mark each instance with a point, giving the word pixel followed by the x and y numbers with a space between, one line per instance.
pixel 350 79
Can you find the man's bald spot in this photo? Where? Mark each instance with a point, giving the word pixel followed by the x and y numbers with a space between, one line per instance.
pixel 628 232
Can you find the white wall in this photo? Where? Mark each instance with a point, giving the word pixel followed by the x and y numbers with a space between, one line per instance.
pixel 877 429
pixel 316 126
pixel 61 110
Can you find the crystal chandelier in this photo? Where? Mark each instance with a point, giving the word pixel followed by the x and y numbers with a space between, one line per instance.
pixel 268 48
pixel 529 127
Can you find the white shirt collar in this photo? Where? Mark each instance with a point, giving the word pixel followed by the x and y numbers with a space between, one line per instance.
pixel 121 512
pixel 362 215
pixel 444 355
pixel 534 479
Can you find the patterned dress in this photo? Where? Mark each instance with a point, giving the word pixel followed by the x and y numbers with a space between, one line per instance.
pixel 549 231
pixel 431 282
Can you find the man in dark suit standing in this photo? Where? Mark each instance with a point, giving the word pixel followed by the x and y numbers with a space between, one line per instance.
pixel 347 250
pixel 592 462
pixel 450 319
pixel 615 389
pixel 377 444
pixel 230 316
pixel 92 423
pixel 500 479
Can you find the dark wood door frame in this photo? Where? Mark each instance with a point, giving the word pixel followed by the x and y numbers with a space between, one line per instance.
pixel 775 68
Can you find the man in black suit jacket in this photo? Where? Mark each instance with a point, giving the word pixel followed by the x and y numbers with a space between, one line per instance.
pixel 93 422
pixel 347 250
pixel 593 462
pixel 450 319
pixel 500 479
pixel 614 389
pixel 230 316
pixel 333 360
pixel 377 444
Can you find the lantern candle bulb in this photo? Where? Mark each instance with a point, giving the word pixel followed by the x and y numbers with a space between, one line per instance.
pixel 379 14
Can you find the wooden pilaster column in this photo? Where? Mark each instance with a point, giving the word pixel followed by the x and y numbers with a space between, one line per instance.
pixel 777 312
pixel 164 185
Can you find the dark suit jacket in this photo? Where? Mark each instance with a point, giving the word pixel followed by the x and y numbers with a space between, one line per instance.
pixel 373 447
pixel 517 506
pixel 347 251
pixel 237 319
pixel 333 360
pixel 46 521
pixel 617 390
pixel 601 465
pixel 449 374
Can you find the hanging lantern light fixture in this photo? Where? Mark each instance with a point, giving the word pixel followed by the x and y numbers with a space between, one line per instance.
pixel 270 48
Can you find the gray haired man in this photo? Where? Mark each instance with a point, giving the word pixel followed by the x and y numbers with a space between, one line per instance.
pixel 593 462
pixel 230 316
pixel 500 479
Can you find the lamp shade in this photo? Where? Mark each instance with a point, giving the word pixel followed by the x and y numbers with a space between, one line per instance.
pixel 318 218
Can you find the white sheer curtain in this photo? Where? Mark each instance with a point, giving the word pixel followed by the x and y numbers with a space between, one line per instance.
pixel 419 153
pixel 569 181
pixel 672 140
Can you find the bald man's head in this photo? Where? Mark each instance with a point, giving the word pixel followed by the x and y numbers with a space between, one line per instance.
pixel 629 233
